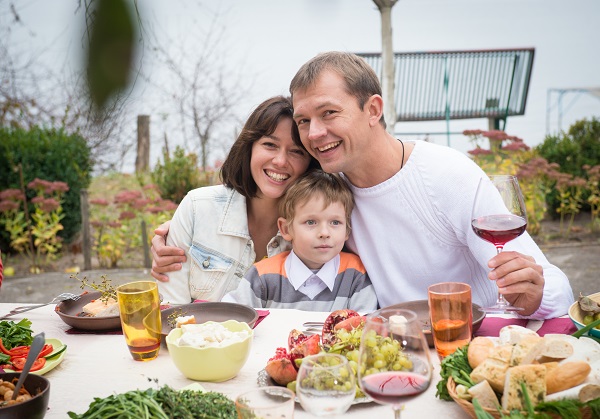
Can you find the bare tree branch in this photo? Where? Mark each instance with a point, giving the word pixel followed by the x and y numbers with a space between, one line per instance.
pixel 203 89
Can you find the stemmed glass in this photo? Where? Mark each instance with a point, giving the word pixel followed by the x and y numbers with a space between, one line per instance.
pixel 498 217
pixel 394 363
pixel 325 384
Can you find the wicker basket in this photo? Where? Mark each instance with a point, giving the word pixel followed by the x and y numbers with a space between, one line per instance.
pixel 467 406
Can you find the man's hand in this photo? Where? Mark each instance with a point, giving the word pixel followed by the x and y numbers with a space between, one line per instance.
pixel 519 279
pixel 165 258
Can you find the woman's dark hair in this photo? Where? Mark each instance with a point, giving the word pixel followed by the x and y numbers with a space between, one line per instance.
pixel 235 172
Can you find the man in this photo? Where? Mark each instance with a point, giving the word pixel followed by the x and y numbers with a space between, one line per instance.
pixel 412 219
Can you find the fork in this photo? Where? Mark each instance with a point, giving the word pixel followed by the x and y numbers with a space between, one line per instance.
pixel 59 298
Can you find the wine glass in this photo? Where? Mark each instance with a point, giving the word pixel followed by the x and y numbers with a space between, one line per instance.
pixel 325 384
pixel 498 217
pixel 394 363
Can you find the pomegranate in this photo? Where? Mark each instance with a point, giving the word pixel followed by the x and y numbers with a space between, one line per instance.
pixel 302 345
pixel 338 316
pixel 281 368
pixel 295 338
pixel 309 346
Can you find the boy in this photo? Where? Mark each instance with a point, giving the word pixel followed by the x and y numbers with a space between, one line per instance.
pixel 315 275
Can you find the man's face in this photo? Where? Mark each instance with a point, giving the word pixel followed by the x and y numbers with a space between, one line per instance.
pixel 332 127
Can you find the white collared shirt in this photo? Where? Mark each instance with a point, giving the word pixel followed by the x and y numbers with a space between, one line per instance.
pixel 308 282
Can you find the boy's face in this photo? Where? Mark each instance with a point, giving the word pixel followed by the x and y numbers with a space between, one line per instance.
pixel 317 233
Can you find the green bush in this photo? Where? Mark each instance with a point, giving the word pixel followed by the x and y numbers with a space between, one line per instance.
pixel 579 146
pixel 49 154
pixel 178 175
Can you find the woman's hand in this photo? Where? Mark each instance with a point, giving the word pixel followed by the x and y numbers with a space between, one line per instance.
pixel 519 279
pixel 165 258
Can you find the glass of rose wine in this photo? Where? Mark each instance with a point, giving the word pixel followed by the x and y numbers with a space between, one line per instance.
pixel 394 364
pixel 498 217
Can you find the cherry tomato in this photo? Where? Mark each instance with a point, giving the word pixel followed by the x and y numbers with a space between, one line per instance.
pixel 19 363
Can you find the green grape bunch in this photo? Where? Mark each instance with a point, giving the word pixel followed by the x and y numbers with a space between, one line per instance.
pixel 323 377
pixel 384 353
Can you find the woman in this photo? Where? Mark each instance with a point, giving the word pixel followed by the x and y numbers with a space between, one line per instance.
pixel 226 228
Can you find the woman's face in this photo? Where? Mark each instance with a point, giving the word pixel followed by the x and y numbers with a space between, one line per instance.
pixel 277 162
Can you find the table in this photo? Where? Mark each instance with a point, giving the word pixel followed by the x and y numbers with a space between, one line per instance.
pixel 98 365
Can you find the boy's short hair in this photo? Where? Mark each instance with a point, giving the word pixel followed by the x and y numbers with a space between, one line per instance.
pixel 313 183
pixel 360 78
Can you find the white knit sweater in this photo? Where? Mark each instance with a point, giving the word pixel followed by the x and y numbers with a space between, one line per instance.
pixel 414 230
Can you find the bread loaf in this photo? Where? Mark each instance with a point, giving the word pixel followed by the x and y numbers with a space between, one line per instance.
pixel 513 334
pixel 534 378
pixel 493 371
pixel 527 350
pixel 589 392
pixel 479 349
pixel 485 395
pixel 502 352
pixel 557 349
pixel 567 375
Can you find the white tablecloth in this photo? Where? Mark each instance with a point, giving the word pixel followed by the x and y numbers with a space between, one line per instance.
pixel 97 365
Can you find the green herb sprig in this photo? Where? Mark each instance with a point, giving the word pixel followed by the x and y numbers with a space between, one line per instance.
pixel 104 287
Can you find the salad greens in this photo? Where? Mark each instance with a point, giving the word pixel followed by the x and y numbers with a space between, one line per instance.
pixel 16 334
pixel 162 403
pixel 455 365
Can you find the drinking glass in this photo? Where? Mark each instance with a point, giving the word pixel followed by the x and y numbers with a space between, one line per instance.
pixel 393 364
pixel 451 314
pixel 498 217
pixel 325 384
pixel 266 402
pixel 139 307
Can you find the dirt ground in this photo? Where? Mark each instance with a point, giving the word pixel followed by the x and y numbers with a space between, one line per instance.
pixel 577 254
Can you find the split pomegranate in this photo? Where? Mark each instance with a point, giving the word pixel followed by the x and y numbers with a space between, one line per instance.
pixel 338 316
pixel 295 338
pixel 281 368
pixel 281 365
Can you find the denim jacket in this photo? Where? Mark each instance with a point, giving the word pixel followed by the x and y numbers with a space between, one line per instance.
pixel 211 224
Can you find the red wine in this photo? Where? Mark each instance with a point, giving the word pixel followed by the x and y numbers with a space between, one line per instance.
pixel 499 229
pixel 388 387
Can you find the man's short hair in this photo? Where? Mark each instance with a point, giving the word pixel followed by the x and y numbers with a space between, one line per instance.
pixel 361 81
pixel 315 183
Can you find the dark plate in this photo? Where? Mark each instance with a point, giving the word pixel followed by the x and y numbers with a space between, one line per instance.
pixel 421 307
pixel 210 311
pixel 71 313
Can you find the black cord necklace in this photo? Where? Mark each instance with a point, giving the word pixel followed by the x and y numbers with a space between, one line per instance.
pixel 402 164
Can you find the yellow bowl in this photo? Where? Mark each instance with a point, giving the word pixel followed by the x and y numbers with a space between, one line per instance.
pixel 214 363
pixel 576 315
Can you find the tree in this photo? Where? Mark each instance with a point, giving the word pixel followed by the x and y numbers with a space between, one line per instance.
pixel 204 90
pixel 32 94
pixel 387 55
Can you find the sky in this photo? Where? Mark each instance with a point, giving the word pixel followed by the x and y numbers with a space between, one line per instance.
pixel 268 40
